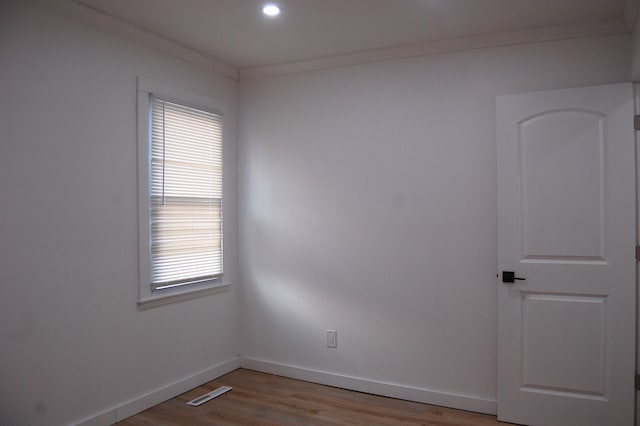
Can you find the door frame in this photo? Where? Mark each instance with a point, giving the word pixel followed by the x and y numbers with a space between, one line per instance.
pixel 636 96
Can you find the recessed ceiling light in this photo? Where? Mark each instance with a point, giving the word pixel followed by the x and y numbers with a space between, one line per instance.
pixel 271 10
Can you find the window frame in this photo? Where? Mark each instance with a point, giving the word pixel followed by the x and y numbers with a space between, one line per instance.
pixel 148 298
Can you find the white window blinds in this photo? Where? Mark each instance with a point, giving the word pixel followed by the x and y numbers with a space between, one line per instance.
pixel 186 195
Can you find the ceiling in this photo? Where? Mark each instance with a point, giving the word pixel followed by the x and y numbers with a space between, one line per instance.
pixel 236 32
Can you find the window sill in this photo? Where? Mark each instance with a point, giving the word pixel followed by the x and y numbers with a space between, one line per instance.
pixel 163 298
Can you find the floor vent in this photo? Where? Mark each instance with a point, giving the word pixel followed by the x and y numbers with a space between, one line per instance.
pixel 209 396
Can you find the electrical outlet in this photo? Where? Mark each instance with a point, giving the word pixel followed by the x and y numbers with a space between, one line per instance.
pixel 332 339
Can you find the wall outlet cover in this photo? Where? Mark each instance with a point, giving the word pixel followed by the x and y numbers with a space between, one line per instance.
pixel 332 339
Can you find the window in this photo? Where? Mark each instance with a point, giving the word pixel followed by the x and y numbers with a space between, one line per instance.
pixel 186 195
pixel 181 198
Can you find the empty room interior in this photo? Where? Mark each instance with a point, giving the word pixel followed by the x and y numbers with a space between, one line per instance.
pixel 427 200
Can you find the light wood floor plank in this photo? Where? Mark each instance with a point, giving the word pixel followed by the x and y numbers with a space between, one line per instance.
pixel 267 400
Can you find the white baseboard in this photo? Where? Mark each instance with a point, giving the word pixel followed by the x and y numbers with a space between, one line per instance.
pixel 148 400
pixel 427 396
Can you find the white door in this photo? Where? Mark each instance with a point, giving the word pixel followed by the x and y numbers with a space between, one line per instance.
pixel 566 225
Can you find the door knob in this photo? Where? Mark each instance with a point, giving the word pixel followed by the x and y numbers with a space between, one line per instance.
pixel 510 277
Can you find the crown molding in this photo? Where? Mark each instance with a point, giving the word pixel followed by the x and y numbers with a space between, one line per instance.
pixel 123 29
pixel 507 38
pixel 630 13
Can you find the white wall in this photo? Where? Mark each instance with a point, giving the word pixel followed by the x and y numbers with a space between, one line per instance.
pixel 368 205
pixel 72 341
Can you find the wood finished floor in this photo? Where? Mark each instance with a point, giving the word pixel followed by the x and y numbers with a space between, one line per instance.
pixel 264 399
